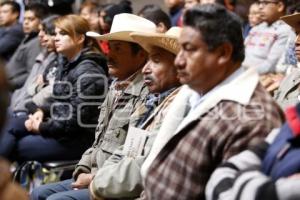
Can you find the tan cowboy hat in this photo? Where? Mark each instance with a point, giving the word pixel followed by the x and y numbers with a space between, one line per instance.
pixel 167 40
pixel 124 24
pixel 292 20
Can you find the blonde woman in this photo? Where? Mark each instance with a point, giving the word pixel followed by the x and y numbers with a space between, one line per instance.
pixel 63 129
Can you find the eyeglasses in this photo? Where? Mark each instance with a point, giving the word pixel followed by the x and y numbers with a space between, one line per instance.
pixel 264 3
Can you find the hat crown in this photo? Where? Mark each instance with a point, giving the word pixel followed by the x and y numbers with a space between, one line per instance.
pixel 129 22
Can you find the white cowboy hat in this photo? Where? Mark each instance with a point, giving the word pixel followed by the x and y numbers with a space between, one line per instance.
pixel 167 40
pixel 124 24
pixel 292 20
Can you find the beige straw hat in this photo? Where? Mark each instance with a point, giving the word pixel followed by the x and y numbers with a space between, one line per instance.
pixel 167 41
pixel 124 24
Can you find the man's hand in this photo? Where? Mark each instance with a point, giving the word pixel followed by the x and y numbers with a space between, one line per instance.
pixel 83 181
pixel 28 124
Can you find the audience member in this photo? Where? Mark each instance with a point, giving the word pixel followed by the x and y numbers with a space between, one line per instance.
pixel 11 33
pixel 175 10
pixel 267 41
pixel 222 112
pixel 106 17
pixel 126 94
pixel 254 18
pixel 59 130
pixel 190 3
pixel 155 14
pixel 22 61
pixel 89 11
pixel 288 90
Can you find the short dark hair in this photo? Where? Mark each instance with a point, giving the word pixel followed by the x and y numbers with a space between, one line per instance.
pixel 135 48
pixel 48 24
pixel 40 10
pixel 16 8
pixel 155 14
pixel 217 26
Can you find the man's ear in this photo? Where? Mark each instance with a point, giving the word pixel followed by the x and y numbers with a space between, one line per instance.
pixel 161 27
pixel 225 51
pixel 281 7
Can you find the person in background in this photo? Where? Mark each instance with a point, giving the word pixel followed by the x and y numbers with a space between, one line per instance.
pixel 11 31
pixel 19 66
pixel 254 18
pixel 190 3
pixel 223 110
pixel 155 14
pixel 106 16
pixel 267 42
pixel 89 11
pixel 175 11
pixel 63 128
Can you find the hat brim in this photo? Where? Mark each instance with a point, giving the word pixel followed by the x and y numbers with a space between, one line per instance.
pixel 121 36
pixel 292 20
pixel 148 41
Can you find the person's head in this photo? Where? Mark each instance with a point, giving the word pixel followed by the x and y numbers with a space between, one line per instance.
pixel 9 13
pixel 89 11
pixel 190 3
pixel 47 32
pixel 211 46
pixel 254 17
pixel 294 21
pixel 70 36
pixel 155 14
pixel 271 10
pixel 174 3
pixel 159 72
pixel 125 57
pixel 34 14
pixel 108 12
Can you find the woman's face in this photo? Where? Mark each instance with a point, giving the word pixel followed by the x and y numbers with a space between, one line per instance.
pixel 49 39
pixel 66 45
pixel 105 27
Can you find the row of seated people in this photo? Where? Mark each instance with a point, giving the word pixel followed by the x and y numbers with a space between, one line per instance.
pixel 106 168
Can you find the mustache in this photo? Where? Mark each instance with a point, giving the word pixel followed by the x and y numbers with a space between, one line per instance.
pixel 149 78
pixel 111 61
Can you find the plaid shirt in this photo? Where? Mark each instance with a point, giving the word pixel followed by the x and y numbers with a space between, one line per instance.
pixel 184 165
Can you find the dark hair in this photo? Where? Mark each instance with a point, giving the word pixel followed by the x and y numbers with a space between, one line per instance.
pixel 155 14
pixel 40 10
pixel 217 26
pixel 135 48
pixel 93 6
pixel 48 24
pixel 113 9
pixel 14 6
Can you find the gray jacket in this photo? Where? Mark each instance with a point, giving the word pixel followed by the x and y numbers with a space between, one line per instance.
pixel 30 90
pixel 265 44
pixel 19 66
pixel 113 123
pixel 288 92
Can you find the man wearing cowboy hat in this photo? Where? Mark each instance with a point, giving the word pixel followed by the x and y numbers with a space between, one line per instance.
pixel 127 92
pixel 288 93
pixel 269 170
pixel 224 111
pixel 119 177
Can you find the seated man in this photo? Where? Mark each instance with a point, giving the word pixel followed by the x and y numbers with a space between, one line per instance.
pixel 125 61
pixel 225 111
pixel 270 163
pixel 19 66
pixel 11 33
pixel 288 91
pixel 119 177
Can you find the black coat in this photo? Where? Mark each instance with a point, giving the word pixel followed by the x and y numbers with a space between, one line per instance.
pixel 77 93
